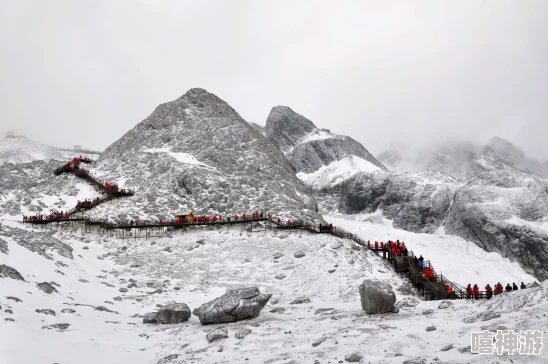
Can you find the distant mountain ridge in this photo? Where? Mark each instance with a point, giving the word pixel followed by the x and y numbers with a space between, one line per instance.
pixel 463 160
pixel 18 149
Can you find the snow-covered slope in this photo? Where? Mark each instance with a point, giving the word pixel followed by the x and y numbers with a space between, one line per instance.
pixel 88 272
pixel 17 150
pixel 321 158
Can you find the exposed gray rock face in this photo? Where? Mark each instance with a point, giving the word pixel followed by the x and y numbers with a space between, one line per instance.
pixel 47 287
pixel 3 247
pixel 299 254
pixel 40 243
pixel 415 202
pixel 234 305
pixel 309 148
pixel 217 334
pixel 60 327
pixel 503 212
pixel 196 153
pixel 173 314
pixel 377 297
pixel 8 272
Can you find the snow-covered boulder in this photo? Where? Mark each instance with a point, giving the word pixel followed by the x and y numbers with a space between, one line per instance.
pixel 8 272
pixel 234 305
pixel 377 297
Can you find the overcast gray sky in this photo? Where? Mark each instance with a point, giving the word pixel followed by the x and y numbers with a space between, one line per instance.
pixel 85 72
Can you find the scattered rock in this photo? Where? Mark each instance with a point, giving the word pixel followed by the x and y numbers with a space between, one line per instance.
pixel 427 312
pixel 234 305
pixel 240 334
pixel 83 280
pixel 123 290
pixel 353 358
pixel 104 309
pixel 280 276
pixel 173 314
pixel 167 249
pixel 217 334
pixel 355 247
pixel 68 310
pixel 321 310
pixel 13 298
pixel 9 319
pixel 86 248
pixel 61 327
pixel 415 361
pixel 466 349
pixel 377 297
pixel 407 302
pixel 168 359
pixel 110 303
pixel 132 280
pixel 159 290
pixel 300 300
pixel 445 304
pixel 277 310
pixel 447 347
pixel 132 285
pixel 335 245
pixel 9 311
pixel 46 287
pixel 108 284
pixel 331 271
pixel 431 328
pixel 319 341
pixel 299 254
pixel 45 311
pixel 8 272
pixel 117 298
pixel 278 255
pixel 176 288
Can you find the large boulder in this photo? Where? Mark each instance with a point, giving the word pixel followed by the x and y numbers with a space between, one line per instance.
pixel 377 297
pixel 234 305
pixel 173 314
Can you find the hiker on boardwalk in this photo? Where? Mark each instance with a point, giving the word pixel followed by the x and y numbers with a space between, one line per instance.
pixel 449 290
pixel 288 222
pixel 244 217
pixel 476 291
pixel 469 291
pixel 421 265
pixel 489 291
pixel 499 288
pixel 523 286
pixel 514 286
pixel 508 288
pixel 415 260
pixel 421 259
pixel 278 221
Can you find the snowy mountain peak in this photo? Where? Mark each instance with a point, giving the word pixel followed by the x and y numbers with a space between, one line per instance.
pixel 321 158
pixel 196 153
pixel 17 150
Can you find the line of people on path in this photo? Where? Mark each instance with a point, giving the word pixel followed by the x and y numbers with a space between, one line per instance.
pixel 57 215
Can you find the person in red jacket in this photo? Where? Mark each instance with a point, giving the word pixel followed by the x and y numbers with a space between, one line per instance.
pixel 499 288
pixel 476 291
pixel 489 291
pixel 469 291
pixel 244 217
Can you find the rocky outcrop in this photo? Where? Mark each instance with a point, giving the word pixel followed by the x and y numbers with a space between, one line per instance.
pixel 46 287
pixel 3 247
pixel 173 314
pixel 217 334
pixel 8 272
pixel 505 212
pixel 415 202
pixel 234 305
pixel 377 297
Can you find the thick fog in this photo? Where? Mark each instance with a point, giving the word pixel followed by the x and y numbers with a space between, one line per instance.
pixel 417 72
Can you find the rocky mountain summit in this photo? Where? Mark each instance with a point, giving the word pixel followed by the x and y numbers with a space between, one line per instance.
pixel 196 153
pixel 320 157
